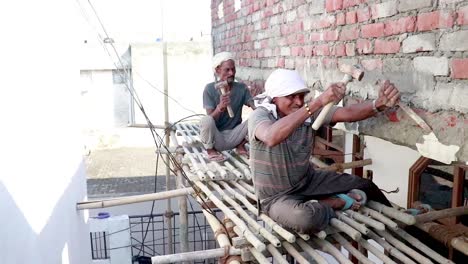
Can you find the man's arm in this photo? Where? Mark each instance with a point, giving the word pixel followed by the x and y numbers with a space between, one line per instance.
pixel 388 97
pixel 273 133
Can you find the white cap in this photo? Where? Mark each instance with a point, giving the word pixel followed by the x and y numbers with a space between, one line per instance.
pixel 284 82
pixel 221 57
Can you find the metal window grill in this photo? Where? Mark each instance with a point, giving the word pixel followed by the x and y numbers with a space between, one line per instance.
pixel 200 235
pixel 99 245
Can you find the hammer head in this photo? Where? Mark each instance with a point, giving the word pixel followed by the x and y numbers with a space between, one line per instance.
pixel 354 71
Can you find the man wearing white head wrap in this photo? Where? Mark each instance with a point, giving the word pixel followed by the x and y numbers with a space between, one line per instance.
pixel 218 131
pixel 281 140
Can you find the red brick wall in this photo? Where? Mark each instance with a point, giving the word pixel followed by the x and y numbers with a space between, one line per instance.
pixel 385 36
pixel 420 45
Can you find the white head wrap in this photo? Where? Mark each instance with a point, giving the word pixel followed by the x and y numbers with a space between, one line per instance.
pixel 221 57
pixel 280 83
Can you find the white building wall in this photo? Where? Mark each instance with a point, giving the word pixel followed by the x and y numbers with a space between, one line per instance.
pixel 42 174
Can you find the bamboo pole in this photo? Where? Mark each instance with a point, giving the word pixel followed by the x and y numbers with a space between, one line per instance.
pixel 244 191
pixel 329 248
pixel 380 217
pixel 404 248
pixel 390 249
pixel 318 162
pixel 422 247
pixel 294 253
pixel 312 252
pixel 277 256
pixel 268 221
pixel 366 220
pixel 234 170
pixel 247 186
pixel 259 256
pixel 364 243
pixel 194 255
pixel 203 163
pixel 248 234
pixel 244 168
pixel 195 165
pixel 220 169
pixel 254 224
pixel 187 140
pixel 457 243
pixel 359 227
pixel 348 165
pixel 393 213
pixel 351 249
pixel 183 215
pixel 133 199
pixel 355 235
pixel 434 215
pixel 321 234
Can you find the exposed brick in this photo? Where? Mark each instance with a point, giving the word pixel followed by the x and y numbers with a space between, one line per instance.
pixel 406 5
pixel 297 51
pixel 385 9
pixel 340 19
pixel 435 20
pixel 372 64
pixel 333 5
pixel 349 33
pixel 351 17
pixel 317 7
pixel 418 43
pixel 363 14
pixel 456 41
pixel 402 25
pixel 289 64
pixel 331 35
pixel 462 16
pixel 322 50
pixel 340 50
pixel 350 3
pixel 372 30
pixel 363 46
pixel 308 50
pixel 432 65
pixel 350 49
pixel 285 51
pixel 329 63
pixel 449 1
pixel 386 47
pixel 459 68
pixel 280 62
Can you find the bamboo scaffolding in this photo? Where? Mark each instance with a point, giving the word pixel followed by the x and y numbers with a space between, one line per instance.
pixel 318 162
pixel 240 165
pixel 404 248
pixel 351 249
pixel 359 227
pixel 195 165
pixel 187 139
pixel 457 243
pixel 133 199
pixel 268 221
pixel 380 255
pixel 203 163
pixel 393 213
pixel 277 256
pixel 234 170
pixel 245 230
pixel 253 224
pixel 348 165
pixel 194 255
pixel 366 220
pixel 183 215
pixel 380 217
pixel 351 232
pixel 422 247
pixel 222 172
pixel 311 251
pixel 244 191
pixel 294 253
pixel 254 252
pixel 434 215
pixel 247 186
pixel 390 249
pixel 329 248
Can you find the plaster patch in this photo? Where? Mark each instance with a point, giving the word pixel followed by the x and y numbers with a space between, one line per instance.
pixel 432 148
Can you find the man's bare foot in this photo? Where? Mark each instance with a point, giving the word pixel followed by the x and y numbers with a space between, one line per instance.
pixel 214 155
pixel 241 150
pixel 352 200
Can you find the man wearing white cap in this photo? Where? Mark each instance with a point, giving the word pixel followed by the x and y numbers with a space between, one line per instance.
pixel 219 131
pixel 290 191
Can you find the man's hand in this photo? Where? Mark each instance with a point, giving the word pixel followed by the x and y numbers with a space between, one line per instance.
pixel 388 95
pixel 224 101
pixel 334 93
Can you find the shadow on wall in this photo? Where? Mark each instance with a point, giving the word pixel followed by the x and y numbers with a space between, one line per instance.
pixel 65 237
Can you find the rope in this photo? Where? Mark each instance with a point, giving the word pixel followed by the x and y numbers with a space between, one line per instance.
pixel 445 234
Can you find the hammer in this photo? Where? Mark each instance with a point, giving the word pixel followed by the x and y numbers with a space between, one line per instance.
pixel 222 87
pixel 351 72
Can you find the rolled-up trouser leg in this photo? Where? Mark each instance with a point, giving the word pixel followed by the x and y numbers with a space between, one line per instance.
pixel 306 217
pixel 229 139
pixel 208 132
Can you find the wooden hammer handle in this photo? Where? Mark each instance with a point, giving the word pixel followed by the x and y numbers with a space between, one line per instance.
pixel 321 117
pixel 230 112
